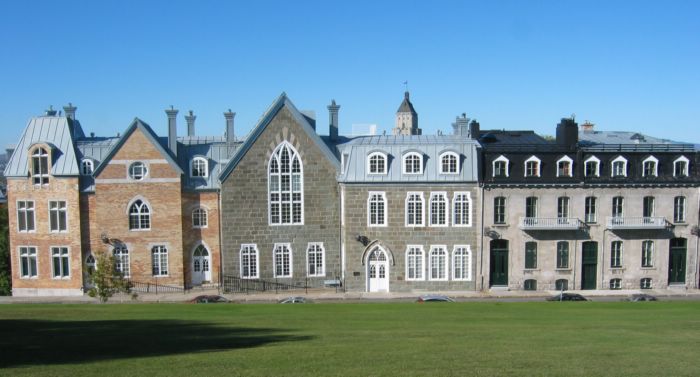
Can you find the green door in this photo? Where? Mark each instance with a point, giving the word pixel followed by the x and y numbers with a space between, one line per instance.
pixel 676 262
pixel 589 265
pixel 499 263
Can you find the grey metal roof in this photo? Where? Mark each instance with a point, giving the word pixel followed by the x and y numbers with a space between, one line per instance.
pixel 96 149
pixel 628 141
pixel 406 105
pixel 52 130
pixel 215 149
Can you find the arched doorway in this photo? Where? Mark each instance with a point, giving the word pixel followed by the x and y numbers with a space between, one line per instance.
pixel 90 266
pixel 498 275
pixel 201 270
pixel 377 270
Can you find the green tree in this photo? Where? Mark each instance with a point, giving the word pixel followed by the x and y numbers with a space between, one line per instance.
pixel 5 274
pixel 106 280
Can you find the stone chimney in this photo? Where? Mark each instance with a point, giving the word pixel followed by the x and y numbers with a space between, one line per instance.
pixel 230 136
pixel 567 133
pixel 474 129
pixel 70 111
pixel 587 127
pixel 333 120
pixel 461 126
pixel 172 129
pixel 50 112
pixel 190 118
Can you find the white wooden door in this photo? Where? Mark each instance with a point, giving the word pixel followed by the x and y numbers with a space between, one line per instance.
pixel 201 266
pixel 377 271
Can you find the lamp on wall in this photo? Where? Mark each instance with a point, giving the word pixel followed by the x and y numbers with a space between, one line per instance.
pixel 363 239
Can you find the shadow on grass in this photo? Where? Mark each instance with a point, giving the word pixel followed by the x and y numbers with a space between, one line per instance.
pixel 39 342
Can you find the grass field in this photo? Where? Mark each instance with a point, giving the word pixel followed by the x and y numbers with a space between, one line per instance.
pixel 391 339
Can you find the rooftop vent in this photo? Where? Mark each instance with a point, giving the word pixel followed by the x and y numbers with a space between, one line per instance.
pixel 50 112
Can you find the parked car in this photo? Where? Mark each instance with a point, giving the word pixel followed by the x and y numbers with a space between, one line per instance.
pixel 434 298
pixel 294 300
pixel 209 299
pixel 567 297
pixel 642 297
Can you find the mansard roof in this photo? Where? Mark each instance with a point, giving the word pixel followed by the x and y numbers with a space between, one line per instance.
pixel 281 102
pixel 626 141
pixel 406 106
pixel 215 149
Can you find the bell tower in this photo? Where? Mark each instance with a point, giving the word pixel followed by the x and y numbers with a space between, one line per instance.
pixel 406 118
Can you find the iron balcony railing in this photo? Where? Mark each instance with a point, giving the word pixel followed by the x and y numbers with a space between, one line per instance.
pixel 549 223
pixel 637 223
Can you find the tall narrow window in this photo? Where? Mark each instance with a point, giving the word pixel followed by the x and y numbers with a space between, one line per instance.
pixel 438 209
pixel 592 167
pixel 376 209
pixel 616 254
pixel 413 163
pixel 648 206
pixel 249 261
pixel 617 206
pixel 60 262
pixel 590 210
pixel 199 218
pixel 619 167
pixel 679 209
pixel 438 263
pixel 25 216
pixel 564 167
pixel 286 186
pixel 500 167
pixel 414 262
pixel 315 259
pixel 499 210
pixel 159 260
pixel 531 206
pixel 200 167
pixel 282 261
pixel 461 209
pixel 562 207
pixel 532 167
pixel 58 216
pixel 461 263
pixel 40 166
pixel 449 163
pixel 649 167
pixel 680 167
pixel 27 262
pixel 530 254
pixel 139 216
pixel 414 209
pixel 121 258
pixel 87 167
pixel 648 253
pixel 377 163
pixel 562 254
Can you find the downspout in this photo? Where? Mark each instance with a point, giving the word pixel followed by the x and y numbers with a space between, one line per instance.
pixel 481 240
pixel 602 265
pixel 573 283
pixel 221 243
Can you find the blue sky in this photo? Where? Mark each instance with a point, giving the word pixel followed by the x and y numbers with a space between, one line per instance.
pixel 515 65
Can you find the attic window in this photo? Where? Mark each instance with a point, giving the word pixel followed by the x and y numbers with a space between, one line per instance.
pixel 199 167
pixel 40 166
pixel 87 167
pixel 138 171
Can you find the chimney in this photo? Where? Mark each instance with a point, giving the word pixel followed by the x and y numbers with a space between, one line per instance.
pixel 333 120
pixel 50 112
pixel 461 126
pixel 567 133
pixel 230 137
pixel 474 129
pixel 172 129
pixel 587 127
pixel 190 118
pixel 70 111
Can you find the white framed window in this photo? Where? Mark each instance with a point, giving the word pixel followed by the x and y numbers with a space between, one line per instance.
pixel 500 166
pixel 437 262
pixel 461 263
pixel 415 205
pixel 592 167
pixel 249 261
pixel 138 170
pixel 87 167
pixel 315 259
pixel 159 260
pixel 616 283
pixel 532 167
pixel 650 167
pixel 415 262
pixel 200 262
pixel 40 166
pixel 531 206
pixel 282 260
pixel 564 167
pixel 438 209
pixel 562 255
pixel 286 186
pixel 199 218
pixel 27 262
pixel 449 163
pixel 60 262
pixel 680 166
pixel 618 206
pixel 25 216
pixel 562 207
pixel 412 163
pixel 648 253
pixel 199 167
pixel 462 204
pixel 679 209
pixel 121 258
pixel 90 264
pixel 616 254
pixel 645 283
pixel 58 216
pixel 499 210
pixel 590 210
pixel 377 163
pixel 618 167
pixel 376 209
pixel 139 216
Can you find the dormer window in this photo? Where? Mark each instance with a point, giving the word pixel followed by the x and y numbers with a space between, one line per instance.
pixel 87 167
pixel 650 167
pixel 619 167
pixel 138 171
pixel 376 163
pixel 592 167
pixel 680 167
pixel 500 167
pixel 532 167
pixel 40 166
pixel 199 167
pixel 564 167
pixel 412 163
pixel 449 163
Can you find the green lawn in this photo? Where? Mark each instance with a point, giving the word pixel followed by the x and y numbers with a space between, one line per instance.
pixel 397 339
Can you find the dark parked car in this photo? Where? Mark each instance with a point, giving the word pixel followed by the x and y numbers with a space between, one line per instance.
pixel 434 298
pixel 642 297
pixel 209 299
pixel 567 297
pixel 294 300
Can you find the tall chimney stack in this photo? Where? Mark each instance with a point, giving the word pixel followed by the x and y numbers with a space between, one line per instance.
pixel 461 126
pixel 333 120
pixel 190 118
pixel 474 129
pixel 50 112
pixel 567 133
pixel 172 129
pixel 70 111
pixel 230 136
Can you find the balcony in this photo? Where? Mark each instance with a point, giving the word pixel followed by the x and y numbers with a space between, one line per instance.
pixel 637 223
pixel 549 223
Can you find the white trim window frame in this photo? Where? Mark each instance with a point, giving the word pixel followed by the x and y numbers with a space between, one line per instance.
pixel 60 262
pixel 28 262
pixel 139 215
pixel 679 209
pixel 285 173
pixel 462 209
pixel 654 168
pixel 681 170
pixel 315 260
pixel 449 160
pixel 137 171
pixel 415 263
pixel 437 263
pixel 40 166
pixel 200 218
pixel 500 172
pixel 439 209
pixel 412 163
pixel 618 207
pixel 565 167
pixel 58 216
pixel 282 261
pixel 249 258
pixel 26 216
pixel 87 167
pixel 377 209
pixel 122 260
pixel 618 167
pixel 415 209
pixel 591 172
pixel 159 260
pixel 461 263
pixel 377 163
pixel 199 167
pixel 532 167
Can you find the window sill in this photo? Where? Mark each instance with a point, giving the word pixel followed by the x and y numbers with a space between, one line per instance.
pixel 561 270
pixel 282 277
pixel 140 230
pixel 161 276
pixel 29 277
pixel 648 268
pixel 200 227
pixel 60 278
